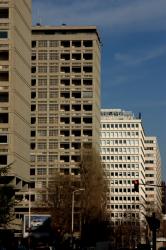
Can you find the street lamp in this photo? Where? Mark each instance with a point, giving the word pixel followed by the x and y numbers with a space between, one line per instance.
pixel 29 209
pixel 72 209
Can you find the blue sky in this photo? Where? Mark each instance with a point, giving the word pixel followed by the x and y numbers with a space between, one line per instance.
pixel 133 35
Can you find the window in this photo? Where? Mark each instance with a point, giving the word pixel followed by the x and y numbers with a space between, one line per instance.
pixel 4 97
pixel 53 94
pixel 4 118
pixel 65 44
pixel 53 132
pixel 42 81
pixel 4 55
pixel 53 107
pixel 42 120
pixel 88 43
pixel 4 13
pixel 54 43
pixel 42 43
pixel 42 132
pixel 42 94
pixel 42 69
pixel 53 158
pixel 33 44
pixel 32 171
pixel 54 69
pixel 41 171
pixel 3 139
pixel 42 56
pixel 3 159
pixel 42 158
pixel 42 145
pixel 54 81
pixel 42 107
pixel 53 145
pixel 3 34
pixel 54 56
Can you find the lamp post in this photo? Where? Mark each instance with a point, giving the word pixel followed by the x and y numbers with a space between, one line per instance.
pixel 72 209
pixel 29 209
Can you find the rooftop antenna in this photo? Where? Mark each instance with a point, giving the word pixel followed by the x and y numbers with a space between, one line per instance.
pixel 39 19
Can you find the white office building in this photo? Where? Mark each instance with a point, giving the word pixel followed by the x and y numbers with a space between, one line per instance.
pixel 122 155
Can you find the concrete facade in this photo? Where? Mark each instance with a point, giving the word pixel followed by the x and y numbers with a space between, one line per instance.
pixel 15 66
pixel 65 100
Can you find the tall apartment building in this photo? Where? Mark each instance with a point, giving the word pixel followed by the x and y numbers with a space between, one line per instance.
pixel 153 175
pixel 65 100
pixel 15 79
pixel 122 156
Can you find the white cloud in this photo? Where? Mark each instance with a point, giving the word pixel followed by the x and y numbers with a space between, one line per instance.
pixel 140 56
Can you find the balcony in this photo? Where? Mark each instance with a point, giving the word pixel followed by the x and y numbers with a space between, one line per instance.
pixel 88 43
pixel 65 133
pixel 64 146
pixel 76 44
pixel 76 120
pixel 88 56
pixel 65 44
pixel 65 82
pixel 76 56
pixel 76 94
pixel 64 158
pixel 87 82
pixel 76 107
pixel 76 145
pixel 65 95
pixel 76 133
pixel 76 82
pixel 65 120
pixel 65 107
pixel 65 56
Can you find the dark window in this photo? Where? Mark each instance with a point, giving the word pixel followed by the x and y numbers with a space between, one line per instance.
pixel 4 96
pixel 33 69
pixel 76 43
pixel 33 133
pixel 4 117
pixel 33 107
pixel 4 13
pixel 3 34
pixel 65 43
pixel 3 159
pixel 33 58
pixel 4 76
pixel 33 82
pixel 88 43
pixel 4 55
pixel 32 171
pixel 33 120
pixel 33 44
pixel 33 145
pixel 33 95
pixel 3 138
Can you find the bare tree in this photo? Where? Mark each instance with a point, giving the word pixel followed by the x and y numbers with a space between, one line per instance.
pixel 89 204
pixel 92 180
pixel 60 200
